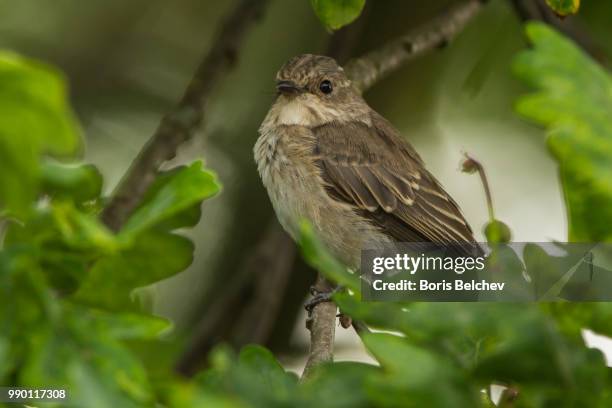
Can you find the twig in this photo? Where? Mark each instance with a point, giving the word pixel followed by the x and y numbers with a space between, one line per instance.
pixel 538 10
pixel 375 65
pixel 360 327
pixel 179 125
pixel 365 72
pixel 471 165
pixel 322 325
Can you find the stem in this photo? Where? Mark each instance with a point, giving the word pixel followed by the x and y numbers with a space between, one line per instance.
pixel 322 326
pixel 474 164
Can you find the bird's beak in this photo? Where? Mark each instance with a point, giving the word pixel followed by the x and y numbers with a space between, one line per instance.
pixel 287 87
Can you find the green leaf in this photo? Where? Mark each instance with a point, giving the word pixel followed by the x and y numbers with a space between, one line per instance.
pixel 344 384
pixel 335 14
pixel 573 317
pixel 26 305
pixel 547 365
pixel 35 120
pixel 53 344
pixel 412 371
pixel 255 377
pixel 171 197
pixel 189 395
pixel 261 360
pixel 186 218
pixel 154 256
pixel 127 325
pixel 574 101
pixel 458 330
pixel 77 355
pixel 542 268
pixel 63 241
pixel 319 258
pixel 82 182
pixel 269 371
pixel 6 357
pixel 564 7
pixel 81 231
pixel 504 265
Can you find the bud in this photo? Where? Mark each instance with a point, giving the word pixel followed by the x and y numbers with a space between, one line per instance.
pixel 469 165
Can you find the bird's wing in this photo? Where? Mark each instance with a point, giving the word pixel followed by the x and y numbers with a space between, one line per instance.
pixel 374 170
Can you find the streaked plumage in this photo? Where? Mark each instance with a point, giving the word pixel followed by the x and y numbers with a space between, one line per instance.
pixel 332 159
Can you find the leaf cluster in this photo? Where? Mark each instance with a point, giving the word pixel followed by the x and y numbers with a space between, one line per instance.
pixel 68 298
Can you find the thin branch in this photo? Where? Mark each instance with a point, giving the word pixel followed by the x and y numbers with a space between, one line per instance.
pixel 179 125
pixel 360 327
pixel 322 325
pixel 537 10
pixel 471 165
pixel 375 65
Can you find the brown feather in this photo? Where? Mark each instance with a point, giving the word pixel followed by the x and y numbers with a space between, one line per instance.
pixel 385 179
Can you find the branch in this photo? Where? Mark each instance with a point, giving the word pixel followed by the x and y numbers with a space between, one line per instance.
pixel 179 125
pixel 365 72
pixel 538 10
pixel 322 325
pixel 375 65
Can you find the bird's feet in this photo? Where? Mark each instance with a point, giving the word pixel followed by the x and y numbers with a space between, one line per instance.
pixel 318 297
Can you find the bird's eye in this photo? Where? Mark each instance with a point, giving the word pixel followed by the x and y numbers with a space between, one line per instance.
pixel 326 87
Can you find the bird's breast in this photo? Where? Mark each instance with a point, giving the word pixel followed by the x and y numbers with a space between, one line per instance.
pixel 287 169
pixel 287 166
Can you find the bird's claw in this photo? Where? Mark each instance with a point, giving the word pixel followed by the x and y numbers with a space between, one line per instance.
pixel 317 297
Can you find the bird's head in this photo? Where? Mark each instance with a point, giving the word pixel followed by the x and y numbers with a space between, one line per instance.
pixel 314 90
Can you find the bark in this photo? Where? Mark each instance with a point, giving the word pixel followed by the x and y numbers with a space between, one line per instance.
pixel 322 326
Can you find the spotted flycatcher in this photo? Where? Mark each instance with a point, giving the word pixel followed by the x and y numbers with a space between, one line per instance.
pixel 324 155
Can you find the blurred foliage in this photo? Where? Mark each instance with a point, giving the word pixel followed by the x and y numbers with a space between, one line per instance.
pixel 574 101
pixel 564 7
pixel 71 314
pixel 335 14
pixel 67 300
pixel 461 348
pixel 33 103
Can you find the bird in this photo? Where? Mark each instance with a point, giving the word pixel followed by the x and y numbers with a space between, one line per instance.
pixel 326 156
